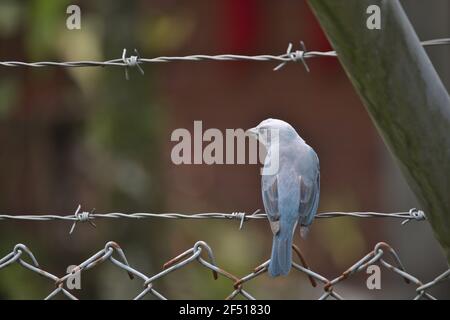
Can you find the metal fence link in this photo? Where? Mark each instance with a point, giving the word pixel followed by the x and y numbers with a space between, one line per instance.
pixel 202 254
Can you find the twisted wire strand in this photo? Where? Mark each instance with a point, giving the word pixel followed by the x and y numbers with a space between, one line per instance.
pixel 165 59
pixel 85 216
pixel 412 214
pixel 136 60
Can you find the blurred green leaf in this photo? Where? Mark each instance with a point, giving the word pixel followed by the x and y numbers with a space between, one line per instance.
pixel 45 19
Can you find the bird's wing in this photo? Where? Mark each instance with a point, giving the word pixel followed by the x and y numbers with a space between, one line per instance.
pixel 309 199
pixel 270 200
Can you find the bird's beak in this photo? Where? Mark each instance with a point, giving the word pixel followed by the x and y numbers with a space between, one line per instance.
pixel 253 132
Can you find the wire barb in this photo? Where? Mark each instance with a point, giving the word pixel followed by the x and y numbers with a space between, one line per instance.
pixel 131 61
pixel 415 214
pixel 295 56
pixel 82 217
pixel 240 216
pixel 243 216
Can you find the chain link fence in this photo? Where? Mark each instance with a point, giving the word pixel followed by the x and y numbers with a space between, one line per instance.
pixel 202 254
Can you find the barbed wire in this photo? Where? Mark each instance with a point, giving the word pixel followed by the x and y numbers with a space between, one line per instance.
pixel 86 216
pixel 136 60
pixel 380 255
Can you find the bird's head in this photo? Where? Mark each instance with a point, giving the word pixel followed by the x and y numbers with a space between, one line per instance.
pixel 270 128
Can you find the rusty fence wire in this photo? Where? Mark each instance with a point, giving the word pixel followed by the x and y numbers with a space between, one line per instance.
pixel 202 254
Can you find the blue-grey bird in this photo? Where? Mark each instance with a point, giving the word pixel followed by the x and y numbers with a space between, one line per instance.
pixel 290 193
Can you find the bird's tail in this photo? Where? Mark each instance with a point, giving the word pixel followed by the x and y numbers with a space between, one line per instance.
pixel 281 258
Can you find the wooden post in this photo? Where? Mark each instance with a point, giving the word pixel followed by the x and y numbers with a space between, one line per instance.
pixel 402 93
